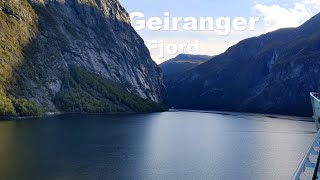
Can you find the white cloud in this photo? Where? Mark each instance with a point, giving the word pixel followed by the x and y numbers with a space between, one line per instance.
pixel 276 16
pixel 315 3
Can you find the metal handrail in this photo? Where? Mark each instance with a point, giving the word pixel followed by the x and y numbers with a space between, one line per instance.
pixel 315 100
pixel 315 95
pixel 315 173
pixel 305 159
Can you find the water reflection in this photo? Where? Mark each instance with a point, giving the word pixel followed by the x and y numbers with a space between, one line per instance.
pixel 171 145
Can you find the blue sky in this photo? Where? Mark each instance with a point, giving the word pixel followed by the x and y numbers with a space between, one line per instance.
pixel 273 15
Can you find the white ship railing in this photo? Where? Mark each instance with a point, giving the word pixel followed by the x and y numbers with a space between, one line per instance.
pixel 308 168
pixel 307 162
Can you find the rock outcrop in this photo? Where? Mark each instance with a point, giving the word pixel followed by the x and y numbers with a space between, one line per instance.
pixel 41 39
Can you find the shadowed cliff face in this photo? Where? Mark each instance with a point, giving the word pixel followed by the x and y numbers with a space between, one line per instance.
pixel 272 73
pixel 95 35
pixel 180 64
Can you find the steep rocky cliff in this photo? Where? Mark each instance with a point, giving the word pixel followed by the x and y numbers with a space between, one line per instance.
pixel 43 41
pixel 272 73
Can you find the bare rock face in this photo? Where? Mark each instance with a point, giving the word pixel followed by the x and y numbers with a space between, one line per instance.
pixel 95 35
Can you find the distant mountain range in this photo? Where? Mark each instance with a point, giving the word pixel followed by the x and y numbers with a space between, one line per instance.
pixel 272 73
pixel 181 64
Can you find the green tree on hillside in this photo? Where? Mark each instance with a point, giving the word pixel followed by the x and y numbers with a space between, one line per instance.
pixel 84 91
pixel 6 107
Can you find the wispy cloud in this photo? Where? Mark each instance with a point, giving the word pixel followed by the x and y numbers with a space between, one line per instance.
pixel 315 3
pixel 276 16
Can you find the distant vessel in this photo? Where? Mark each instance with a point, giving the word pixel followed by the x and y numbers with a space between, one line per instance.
pixel 309 167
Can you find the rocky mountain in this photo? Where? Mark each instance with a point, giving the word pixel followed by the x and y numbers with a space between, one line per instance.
pixel 180 64
pixel 51 51
pixel 272 73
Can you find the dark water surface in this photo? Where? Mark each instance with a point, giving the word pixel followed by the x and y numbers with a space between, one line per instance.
pixel 170 145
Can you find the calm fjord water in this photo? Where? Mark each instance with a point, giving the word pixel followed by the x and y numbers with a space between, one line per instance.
pixel 170 145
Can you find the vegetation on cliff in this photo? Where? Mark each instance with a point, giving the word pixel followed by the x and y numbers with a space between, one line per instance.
pixel 11 106
pixel 84 91
pixel 39 42
pixel 6 106
pixel 18 24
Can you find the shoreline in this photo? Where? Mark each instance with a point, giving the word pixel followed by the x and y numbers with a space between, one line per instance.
pixel 48 114
pixel 280 116
pixel 14 118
